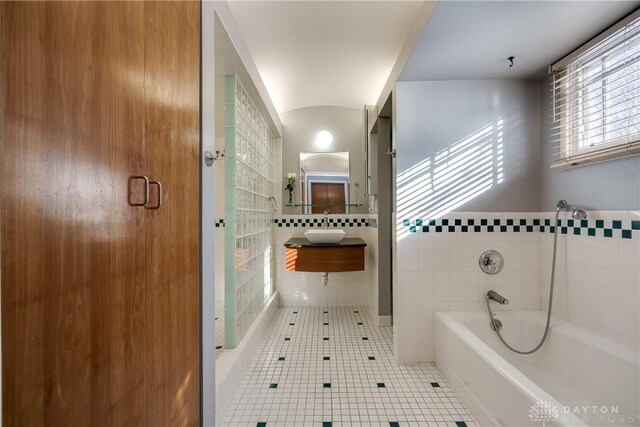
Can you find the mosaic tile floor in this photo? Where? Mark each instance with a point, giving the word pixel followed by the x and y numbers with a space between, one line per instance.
pixel 331 367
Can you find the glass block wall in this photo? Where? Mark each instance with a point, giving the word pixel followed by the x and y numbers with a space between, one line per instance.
pixel 248 214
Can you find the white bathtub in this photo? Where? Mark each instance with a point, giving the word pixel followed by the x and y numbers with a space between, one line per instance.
pixel 588 379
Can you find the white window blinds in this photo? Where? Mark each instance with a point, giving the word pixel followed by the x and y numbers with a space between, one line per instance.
pixel 596 99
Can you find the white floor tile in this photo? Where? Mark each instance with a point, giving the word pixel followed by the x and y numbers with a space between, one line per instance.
pixel 359 385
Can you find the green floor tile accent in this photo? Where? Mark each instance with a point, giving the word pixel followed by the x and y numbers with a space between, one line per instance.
pixel 261 424
pixel 326 385
pixel 365 339
pixel 372 358
pixel 435 385
pixel 281 358
pixel 287 339
pixel 381 385
pixel 273 385
pixel 394 424
pixel 326 358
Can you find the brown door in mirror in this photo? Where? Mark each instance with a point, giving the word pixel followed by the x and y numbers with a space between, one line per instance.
pixel 329 196
pixel 100 299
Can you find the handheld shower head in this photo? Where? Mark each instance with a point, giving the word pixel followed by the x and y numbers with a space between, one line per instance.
pixel 576 213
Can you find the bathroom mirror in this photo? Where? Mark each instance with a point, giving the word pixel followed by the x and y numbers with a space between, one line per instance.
pixel 324 182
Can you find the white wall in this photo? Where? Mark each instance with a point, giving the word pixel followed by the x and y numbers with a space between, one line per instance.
pixel 300 128
pixel 463 147
pixel 473 146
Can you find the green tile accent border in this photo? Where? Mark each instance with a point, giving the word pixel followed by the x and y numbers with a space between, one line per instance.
pixel 334 221
pixel 625 229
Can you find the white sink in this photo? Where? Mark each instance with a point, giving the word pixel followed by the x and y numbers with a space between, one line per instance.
pixel 329 235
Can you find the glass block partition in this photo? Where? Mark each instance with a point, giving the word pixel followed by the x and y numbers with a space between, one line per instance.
pixel 248 213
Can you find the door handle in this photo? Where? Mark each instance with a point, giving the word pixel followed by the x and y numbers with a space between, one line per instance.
pixel 146 190
pixel 159 204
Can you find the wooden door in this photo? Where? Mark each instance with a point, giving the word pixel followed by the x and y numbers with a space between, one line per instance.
pixel 327 196
pixel 172 136
pixel 81 319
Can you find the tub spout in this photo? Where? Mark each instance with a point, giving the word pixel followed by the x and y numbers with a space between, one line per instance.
pixel 493 295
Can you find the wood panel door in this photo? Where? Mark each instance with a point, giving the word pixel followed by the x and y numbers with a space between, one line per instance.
pixel 172 137
pixel 81 321
pixel 327 196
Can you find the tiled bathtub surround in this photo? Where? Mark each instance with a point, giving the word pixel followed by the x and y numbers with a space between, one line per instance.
pixel 344 289
pixel 437 270
pixel 597 277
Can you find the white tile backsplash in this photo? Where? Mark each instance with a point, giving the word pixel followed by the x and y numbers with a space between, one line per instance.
pixel 299 289
pixel 439 272
pixel 597 278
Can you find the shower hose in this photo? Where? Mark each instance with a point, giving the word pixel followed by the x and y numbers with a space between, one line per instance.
pixel 553 274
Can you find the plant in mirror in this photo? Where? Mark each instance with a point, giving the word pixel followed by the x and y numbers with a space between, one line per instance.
pixel 291 185
pixel 324 182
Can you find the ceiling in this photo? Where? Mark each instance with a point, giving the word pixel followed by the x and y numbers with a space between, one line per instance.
pixel 324 53
pixel 473 39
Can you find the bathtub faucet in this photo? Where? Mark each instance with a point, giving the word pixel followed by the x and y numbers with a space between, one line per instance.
pixel 493 295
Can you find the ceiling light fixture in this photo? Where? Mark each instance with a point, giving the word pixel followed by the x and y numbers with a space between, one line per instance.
pixel 324 139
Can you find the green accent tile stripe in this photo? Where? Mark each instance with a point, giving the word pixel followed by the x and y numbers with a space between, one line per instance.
pixel 625 229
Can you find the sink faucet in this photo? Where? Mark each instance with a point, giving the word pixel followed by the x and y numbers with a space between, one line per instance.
pixel 325 220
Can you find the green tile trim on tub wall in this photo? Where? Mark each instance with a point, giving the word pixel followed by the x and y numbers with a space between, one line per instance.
pixel 625 229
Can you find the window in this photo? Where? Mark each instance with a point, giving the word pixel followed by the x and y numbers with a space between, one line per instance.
pixel 596 98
